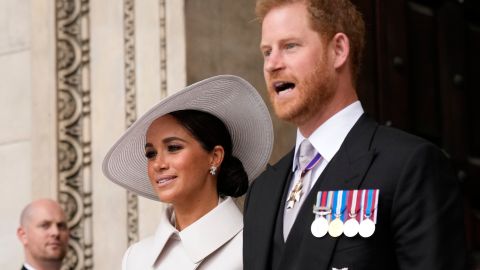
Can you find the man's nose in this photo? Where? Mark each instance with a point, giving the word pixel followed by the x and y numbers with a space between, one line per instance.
pixel 55 230
pixel 273 62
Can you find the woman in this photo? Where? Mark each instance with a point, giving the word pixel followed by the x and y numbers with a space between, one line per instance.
pixel 194 150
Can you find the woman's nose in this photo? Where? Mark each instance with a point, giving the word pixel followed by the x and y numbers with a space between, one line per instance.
pixel 159 163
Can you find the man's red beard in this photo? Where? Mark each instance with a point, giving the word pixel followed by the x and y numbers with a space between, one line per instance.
pixel 314 94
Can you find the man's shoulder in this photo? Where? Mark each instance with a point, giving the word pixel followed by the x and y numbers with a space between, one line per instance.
pixel 285 162
pixel 386 135
pixel 389 143
pixel 398 144
pixel 394 137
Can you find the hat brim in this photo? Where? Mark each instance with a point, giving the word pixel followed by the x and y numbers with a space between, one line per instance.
pixel 230 98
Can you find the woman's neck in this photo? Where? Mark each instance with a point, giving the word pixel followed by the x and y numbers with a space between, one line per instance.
pixel 188 213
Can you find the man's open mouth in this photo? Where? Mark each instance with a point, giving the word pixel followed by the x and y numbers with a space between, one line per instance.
pixel 282 86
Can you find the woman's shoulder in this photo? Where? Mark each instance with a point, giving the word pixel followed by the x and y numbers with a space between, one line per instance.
pixel 137 255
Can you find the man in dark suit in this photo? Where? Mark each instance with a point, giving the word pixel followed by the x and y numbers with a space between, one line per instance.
pixel 370 197
pixel 44 234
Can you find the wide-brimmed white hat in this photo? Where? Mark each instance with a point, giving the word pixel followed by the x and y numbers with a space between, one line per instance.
pixel 229 98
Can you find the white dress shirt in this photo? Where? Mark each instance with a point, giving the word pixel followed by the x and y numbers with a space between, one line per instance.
pixel 28 266
pixel 328 138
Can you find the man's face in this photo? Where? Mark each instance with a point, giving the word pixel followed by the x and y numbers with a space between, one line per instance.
pixel 298 71
pixel 45 233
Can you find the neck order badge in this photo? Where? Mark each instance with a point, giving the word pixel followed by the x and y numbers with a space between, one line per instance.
pixel 306 151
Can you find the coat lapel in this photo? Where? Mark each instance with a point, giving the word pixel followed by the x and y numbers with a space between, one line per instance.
pixel 345 171
pixel 262 226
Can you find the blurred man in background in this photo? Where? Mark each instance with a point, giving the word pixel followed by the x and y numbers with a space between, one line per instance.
pixel 44 234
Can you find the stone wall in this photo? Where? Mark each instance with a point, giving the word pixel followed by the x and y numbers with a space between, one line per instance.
pixel 74 75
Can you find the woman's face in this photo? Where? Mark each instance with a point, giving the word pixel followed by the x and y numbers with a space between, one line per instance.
pixel 178 166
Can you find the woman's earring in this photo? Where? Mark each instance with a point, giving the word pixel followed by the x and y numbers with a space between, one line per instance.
pixel 213 170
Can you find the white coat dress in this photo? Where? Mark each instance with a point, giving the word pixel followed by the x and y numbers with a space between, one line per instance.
pixel 213 242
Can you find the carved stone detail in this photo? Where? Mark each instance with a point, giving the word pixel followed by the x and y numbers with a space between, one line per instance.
pixel 130 105
pixel 74 138
pixel 163 48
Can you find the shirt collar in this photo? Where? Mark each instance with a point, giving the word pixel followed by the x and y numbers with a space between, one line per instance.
pixel 328 137
pixel 205 235
pixel 28 266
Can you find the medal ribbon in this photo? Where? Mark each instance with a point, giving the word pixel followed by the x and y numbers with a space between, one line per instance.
pixel 344 204
pixel 329 203
pixel 338 203
pixel 354 203
pixel 324 199
pixel 351 204
pixel 318 203
pixel 368 209
pixel 319 199
pixel 371 202
pixel 375 201
pixel 362 215
pixel 311 164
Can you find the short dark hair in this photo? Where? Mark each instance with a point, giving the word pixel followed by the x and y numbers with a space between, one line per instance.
pixel 210 131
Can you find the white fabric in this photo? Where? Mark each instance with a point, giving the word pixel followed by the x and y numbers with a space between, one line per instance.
pixel 212 242
pixel 28 266
pixel 328 138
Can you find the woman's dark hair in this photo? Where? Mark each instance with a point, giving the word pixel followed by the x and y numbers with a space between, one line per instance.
pixel 210 131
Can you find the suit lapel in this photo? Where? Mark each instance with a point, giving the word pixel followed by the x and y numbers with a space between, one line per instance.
pixel 272 183
pixel 345 171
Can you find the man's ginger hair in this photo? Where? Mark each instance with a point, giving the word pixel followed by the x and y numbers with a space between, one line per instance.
pixel 329 17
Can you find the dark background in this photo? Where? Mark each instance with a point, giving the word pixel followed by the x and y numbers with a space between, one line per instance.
pixel 420 74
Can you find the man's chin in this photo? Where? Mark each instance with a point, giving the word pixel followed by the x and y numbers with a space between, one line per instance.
pixel 285 114
pixel 56 255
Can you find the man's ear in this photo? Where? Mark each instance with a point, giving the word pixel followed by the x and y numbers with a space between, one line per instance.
pixel 341 49
pixel 22 235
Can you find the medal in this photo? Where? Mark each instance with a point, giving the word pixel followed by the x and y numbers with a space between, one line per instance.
pixel 366 228
pixel 351 226
pixel 335 229
pixel 295 195
pixel 369 210
pixel 321 209
pixel 319 227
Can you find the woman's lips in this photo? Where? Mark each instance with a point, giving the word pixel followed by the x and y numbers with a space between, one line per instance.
pixel 162 181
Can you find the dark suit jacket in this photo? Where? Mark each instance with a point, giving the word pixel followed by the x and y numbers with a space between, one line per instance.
pixel 420 217
pixel 23 267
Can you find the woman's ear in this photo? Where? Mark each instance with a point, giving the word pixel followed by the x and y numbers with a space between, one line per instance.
pixel 217 156
pixel 341 49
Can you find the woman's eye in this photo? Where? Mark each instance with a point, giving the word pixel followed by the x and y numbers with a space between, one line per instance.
pixel 174 148
pixel 150 154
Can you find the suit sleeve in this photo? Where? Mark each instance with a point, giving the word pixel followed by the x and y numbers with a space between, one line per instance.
pixel 427 213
